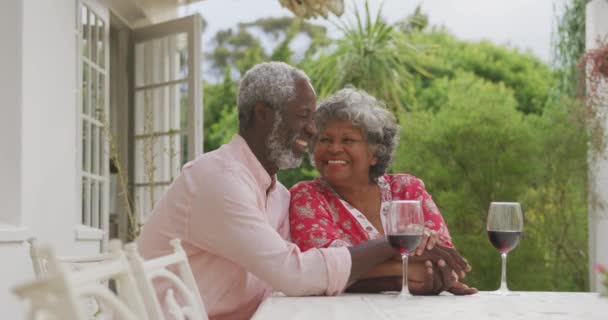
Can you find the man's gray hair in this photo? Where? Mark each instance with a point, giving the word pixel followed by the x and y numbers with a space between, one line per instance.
pixel 369 115
pixel 272 83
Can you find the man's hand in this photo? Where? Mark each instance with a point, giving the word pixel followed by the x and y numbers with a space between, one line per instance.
pixel 439 278
pixel 461 289
pixel 449 255
pixel 429 284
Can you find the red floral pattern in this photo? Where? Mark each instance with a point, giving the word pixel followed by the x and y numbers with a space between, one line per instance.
pixel 318 218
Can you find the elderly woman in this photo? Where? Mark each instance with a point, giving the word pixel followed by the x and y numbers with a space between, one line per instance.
pixel 348 203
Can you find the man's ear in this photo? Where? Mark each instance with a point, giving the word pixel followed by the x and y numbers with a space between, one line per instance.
pixel 262 113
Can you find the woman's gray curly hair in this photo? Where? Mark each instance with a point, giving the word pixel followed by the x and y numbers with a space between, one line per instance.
pixel 273 83
pixel 369 115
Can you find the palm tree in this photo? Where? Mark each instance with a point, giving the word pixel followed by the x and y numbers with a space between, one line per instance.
pixel 373 56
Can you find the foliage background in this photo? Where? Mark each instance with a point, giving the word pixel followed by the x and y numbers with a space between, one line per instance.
pixel 480 123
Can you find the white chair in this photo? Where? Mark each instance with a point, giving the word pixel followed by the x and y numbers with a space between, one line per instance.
pixel 40 262
pixel 58 293
pixel 72 263
pixel 158 268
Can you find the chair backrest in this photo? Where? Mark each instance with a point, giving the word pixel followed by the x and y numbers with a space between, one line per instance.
pixel 58 293
pixel 182 281
pixel 40 261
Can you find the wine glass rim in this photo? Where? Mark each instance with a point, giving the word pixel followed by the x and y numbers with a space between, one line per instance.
pixel 503 202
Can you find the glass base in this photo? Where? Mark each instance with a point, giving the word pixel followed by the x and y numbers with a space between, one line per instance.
pixel 503 292
pixel 404 295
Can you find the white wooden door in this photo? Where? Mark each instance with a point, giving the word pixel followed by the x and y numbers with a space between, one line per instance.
pixel 167 107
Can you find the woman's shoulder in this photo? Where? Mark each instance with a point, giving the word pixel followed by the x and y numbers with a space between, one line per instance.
pixel 403 179
pixel 304 185
pixel 310 187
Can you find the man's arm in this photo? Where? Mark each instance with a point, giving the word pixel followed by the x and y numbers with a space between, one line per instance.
pixel 226 220
pixel 367 255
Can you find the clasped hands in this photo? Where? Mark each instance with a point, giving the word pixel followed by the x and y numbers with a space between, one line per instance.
pixel 436 268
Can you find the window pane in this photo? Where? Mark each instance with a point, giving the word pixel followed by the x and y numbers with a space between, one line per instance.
pixel 163 109
pixel 100 40
pixel 86 204
pixel 85 88
pixel 184 117
pixel 84 32
pixel 93 36
pixel 145 199
pixel 176 157
pixel 86 145
pixel 93 89
pixel 161 60
pixel 101 99
pixel 94 200
pixel 82 199
pixel 102 153
pixel 151 159
pixel 94 149
pixel 101 206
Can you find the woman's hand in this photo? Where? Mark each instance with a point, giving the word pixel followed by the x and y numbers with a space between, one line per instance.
pixel 428 241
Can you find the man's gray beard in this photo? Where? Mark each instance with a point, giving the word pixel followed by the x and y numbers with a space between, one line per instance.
pixel 280 154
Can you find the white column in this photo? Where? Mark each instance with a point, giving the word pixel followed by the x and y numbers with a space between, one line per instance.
pixel 597 26
pixel 10 113
pixel 12 231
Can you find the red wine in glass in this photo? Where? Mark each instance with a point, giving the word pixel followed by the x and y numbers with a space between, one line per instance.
pixel 404 243
pixel 504 226
pixel 404 228
pixel 504 241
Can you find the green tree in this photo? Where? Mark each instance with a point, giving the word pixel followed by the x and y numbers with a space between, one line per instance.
pixel 242 48
pixel 557 200
pixel 530 79
pixel 221 116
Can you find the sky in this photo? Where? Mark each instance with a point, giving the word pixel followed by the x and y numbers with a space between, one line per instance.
pixel 523 24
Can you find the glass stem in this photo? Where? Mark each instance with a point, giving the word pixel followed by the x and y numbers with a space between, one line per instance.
pixel 404 289
pixel 503 276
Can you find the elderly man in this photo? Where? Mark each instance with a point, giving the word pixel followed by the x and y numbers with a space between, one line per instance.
pixel 232 214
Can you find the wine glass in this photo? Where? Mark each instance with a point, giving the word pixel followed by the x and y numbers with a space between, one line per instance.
pixel 505 224
pixel 404 228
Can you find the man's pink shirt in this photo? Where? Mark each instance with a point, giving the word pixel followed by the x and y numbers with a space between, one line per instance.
pixel 236 234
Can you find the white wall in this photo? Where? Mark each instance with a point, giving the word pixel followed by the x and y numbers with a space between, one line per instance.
pixel 49 120
pixel 11 233
pixel 10 119
pixel 38 137
pixel 597 25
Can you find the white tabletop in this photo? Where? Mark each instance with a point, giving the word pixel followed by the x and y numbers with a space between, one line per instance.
pixel 524 305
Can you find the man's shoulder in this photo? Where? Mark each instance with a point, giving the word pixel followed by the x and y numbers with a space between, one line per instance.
pixel 213 163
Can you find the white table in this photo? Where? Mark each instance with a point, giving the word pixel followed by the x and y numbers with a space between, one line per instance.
pixel 525 305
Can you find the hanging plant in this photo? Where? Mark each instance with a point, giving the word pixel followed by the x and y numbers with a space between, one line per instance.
pixel 594 65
